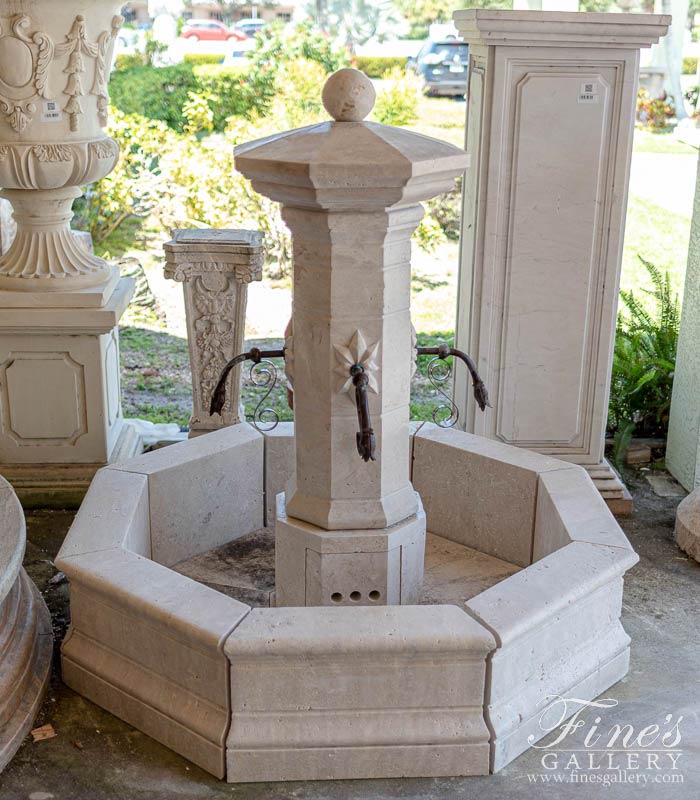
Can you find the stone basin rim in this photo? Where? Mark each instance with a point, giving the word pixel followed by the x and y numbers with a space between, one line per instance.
pixel 572 553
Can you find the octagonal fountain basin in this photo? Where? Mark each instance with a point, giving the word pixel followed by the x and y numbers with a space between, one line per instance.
pixel 174 629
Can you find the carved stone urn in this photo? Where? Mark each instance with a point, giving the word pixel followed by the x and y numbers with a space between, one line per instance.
pixel 55 60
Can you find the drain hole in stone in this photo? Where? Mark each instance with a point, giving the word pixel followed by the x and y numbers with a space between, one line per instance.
pixel 355 596
pixel 337 597
pixel 374 595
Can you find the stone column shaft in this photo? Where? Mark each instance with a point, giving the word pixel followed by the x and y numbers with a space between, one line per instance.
pixel 683 446
pixel 352 289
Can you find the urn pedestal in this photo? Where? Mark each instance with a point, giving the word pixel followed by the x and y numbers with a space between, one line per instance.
pixel 60 412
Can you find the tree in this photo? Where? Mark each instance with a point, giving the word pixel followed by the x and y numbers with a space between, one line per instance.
pixel 596 5
pixel 673 49
pixel 358 21
pixel 421 14
pixel 354 21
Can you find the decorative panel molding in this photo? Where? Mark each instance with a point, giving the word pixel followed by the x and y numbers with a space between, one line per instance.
pixel 43 399
pixel 554 227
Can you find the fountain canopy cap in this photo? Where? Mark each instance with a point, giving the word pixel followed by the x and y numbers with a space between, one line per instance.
pixel 348 164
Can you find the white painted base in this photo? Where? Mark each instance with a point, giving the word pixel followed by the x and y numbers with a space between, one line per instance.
pixel 26 647
pixel 65 485
pixel 60 398
pixel 60 405
pixel 688 525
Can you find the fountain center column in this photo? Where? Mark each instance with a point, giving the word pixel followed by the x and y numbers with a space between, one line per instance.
pixel 351 529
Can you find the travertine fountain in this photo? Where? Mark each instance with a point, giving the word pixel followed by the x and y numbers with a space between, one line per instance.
pixel 357 596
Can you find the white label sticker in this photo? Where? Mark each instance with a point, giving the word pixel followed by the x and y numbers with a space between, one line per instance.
pixel 52 112
pixel 588 98
pixel 590 87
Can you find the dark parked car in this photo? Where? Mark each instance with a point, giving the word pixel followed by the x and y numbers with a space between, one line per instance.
pixel 250 27
pixel 443 66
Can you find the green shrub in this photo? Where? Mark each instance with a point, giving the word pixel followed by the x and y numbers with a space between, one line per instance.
pixel 690 65
pixel 135 186
pixel 128 60
pixel 644 360
pixel 230 91
pixel 161 93
pixel 446 210
pixel 379 66
pixel 198 59
pixel 397 104
pixel 298 100
pixel 199 115
pixel 156 93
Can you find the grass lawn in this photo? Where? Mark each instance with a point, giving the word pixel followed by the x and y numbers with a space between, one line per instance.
pixel 662 142
pixel 155 359
pixel 157 386
pixel 657 235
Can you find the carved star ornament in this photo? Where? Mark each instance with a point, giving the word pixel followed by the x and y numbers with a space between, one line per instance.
pixel 357 352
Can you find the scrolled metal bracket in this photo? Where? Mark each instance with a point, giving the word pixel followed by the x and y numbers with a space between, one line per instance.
pixel 442 352
pixel 263 374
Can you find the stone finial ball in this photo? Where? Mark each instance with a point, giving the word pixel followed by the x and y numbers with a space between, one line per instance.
pixel 348 95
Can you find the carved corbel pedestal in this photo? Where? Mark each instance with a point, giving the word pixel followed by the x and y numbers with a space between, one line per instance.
pixel 215 268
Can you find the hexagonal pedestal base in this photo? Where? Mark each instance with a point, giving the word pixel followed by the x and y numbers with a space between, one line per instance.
pixel 315 567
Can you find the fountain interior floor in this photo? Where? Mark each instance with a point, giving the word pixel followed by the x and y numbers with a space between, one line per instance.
pixel 245 570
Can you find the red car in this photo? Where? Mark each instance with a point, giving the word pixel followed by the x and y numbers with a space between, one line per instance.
pixel 210 30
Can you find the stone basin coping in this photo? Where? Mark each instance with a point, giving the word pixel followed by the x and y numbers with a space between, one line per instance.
pixel 317 693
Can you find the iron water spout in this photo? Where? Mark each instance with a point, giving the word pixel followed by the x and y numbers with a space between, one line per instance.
pixel 365 438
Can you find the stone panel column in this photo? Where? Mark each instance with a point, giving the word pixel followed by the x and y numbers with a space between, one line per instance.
pixel 215 268
pixel 550 119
